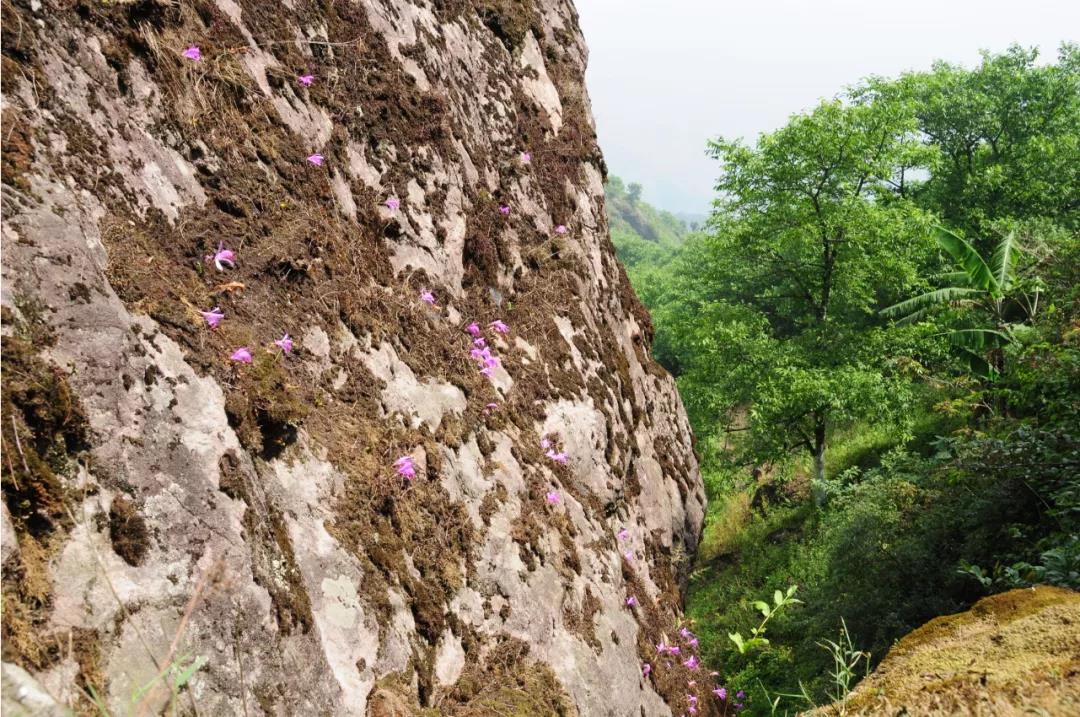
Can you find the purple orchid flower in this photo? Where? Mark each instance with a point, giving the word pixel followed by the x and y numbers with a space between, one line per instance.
pixel 631 601
pixel 393 204
pixel 223 256
pixel 241 355
pixel 553 497
pixel 473 328
pixel 427 297
pixel 193 53
pixel 479 342
pixel 646 669
pixel 285 344
pixel 739 695
pixel 629 555
pixel 405 467
pixel 720 693
pixel 306 80
pixel 504 210
pixel 486 371
pixel 316 159
pixel 692 663
pixel 499 327
pixel 624 534
pixel 213 317
pixel 561 229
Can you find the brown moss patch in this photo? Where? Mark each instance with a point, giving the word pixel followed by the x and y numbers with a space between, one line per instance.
pixel 128 531
pixel 506 683
pixel 1011 654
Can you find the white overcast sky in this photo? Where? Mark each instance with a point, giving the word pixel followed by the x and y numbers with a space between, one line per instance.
pixel 666 75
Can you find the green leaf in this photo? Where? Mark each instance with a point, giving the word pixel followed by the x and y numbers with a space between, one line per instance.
pixel 763 607
pixel 908 309
pixel 778 598
pixel 978 272
pixel 738 640
pixel 187 673
pixel 1002 261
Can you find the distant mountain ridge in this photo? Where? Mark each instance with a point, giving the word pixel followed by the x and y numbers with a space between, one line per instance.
pixel 628 214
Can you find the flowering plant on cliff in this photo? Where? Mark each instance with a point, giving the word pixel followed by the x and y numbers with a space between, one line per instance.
pixel 213 317
pixel 285 344
pixel 223 256
pixel 306 80
pixel 316 159
pixel 241 355
pixel 193 53
pixel 405 467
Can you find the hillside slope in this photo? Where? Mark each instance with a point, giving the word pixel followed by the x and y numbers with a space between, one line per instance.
pixel 359 521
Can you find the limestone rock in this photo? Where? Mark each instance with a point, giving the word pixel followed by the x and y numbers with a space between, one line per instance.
pixel 173 505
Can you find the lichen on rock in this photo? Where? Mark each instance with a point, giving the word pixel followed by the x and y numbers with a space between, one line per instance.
pixel 1010 654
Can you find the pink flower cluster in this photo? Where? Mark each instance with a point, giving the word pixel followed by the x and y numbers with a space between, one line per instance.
pixel 671 655
pixel 214 316
pixel 549 451
pixel 481 352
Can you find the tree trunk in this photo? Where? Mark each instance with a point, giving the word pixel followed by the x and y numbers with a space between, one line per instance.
pixel 819 449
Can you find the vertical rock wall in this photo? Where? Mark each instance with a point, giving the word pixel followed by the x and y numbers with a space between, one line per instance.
pixel 164 503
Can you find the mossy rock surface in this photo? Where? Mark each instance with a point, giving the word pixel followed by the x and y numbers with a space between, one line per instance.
pixel 1016 653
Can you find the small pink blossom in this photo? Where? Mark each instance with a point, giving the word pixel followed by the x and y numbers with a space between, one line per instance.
pixel 692 709
pixel 720 693
pixel 559 457
pixel 553 497
pixel 485 371
pixel 646 669
pixel 316 159
pixel 561 229
pixel 504 210
pixel 661 648
pixel 692 699
pixel 285 344
pixel 473 328
pixel 393 204
pixel 693 643
pixel 499 327
pixel 624 534
pixel 405 467
pixel 306 80
pixel 685 632
pixel 631 601
pixel 223 256
pixel 427 297
pixel 491 407
pixel 242 355
pixel 193 53
pixel 526 157
pixel 629 555
pixel 673 650
pixel 479 342
pixel 545 443
pixel 692 663
pixel 213 317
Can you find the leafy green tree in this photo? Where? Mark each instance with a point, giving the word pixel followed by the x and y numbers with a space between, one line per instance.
pixel 810 235
pixel 1006 134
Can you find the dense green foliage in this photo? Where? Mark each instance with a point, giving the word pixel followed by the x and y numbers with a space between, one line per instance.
pixel 878 343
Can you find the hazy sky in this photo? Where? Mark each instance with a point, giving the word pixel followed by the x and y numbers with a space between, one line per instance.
pixel 666 75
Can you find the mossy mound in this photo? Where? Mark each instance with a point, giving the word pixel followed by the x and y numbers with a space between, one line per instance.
pixel 1017 653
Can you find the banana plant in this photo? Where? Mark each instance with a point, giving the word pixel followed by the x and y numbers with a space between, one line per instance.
pixel 992 289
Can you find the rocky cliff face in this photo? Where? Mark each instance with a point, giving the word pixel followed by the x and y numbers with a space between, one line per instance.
pixel 164 503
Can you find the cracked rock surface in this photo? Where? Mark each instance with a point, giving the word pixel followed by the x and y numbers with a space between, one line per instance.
pixel 163 503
